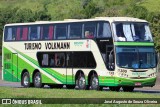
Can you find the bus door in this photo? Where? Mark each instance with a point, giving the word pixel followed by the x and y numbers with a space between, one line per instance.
pixel 7 69
pixel 69 68
pixel 15 67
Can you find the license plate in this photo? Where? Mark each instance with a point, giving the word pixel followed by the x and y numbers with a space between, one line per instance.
pixel 138 84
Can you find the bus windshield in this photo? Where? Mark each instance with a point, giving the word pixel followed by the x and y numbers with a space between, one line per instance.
pixel 139 32
pixel 136 57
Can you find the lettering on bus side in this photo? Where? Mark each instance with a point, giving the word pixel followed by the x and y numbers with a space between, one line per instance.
pixel 48 45
pixel 57 45
pixel 33 46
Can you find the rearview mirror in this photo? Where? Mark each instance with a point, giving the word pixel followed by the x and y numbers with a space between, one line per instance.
pixel 110 58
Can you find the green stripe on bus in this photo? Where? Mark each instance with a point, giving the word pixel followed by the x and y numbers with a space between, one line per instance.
pixel 133 44
pixel 53 73
pixel 47 70
pixel 8 76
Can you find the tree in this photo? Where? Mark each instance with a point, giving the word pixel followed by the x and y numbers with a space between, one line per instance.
pixel 7 15
pixel 42 15
pixel 136 11
pixel 16 15
pixel 155 22
pixel 90 9
pixel 25 15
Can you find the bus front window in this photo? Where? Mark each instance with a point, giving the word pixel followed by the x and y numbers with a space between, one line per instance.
pixel 136 57
pixel 132 32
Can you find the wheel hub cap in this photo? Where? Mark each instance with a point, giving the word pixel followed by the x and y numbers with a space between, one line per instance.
pixel 37 79
pixel 81 82
pixel 95 82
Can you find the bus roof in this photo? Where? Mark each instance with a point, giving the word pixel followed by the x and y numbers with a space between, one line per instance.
pixel 110 19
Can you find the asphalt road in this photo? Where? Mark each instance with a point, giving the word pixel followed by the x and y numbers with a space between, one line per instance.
pixel 152 90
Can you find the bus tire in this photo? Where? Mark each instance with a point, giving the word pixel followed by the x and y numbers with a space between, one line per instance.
pixel 114 88
pixel 37 80
pixel 81 82
pixel 128 88
pixel 70 86
pixel 25 80
pixel 94 83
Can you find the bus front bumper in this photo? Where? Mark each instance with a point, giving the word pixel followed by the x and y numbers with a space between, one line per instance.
pixel 147 82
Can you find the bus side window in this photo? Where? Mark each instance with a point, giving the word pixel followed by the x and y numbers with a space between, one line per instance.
pixel 45 32
pixel 18 33
pixel 24 33
pixel 8 33
pixel 104 30
pixel 60 59
pixel 45 60
pixel 61 31
pixel 84 60
pixel 51 32
pixel 75 30
pixel 51 60
pixel 69 59
pixel 35 32
pixel 90 30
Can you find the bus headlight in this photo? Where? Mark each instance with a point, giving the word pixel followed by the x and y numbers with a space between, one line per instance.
pixel 152 75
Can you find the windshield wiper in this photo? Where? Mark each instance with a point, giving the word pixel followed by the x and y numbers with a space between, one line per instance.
pixel 140 63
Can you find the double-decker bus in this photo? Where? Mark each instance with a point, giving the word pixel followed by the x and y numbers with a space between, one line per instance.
pixel 93 53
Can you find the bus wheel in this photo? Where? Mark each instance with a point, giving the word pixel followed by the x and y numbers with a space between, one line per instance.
pixel 70 86
pixel 128 89
pixel 81 82
pixel 37 80
pixel 25 80
pixel 114 88
pixel 94 83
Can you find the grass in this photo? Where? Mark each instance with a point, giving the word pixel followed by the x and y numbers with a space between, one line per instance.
pixel 6 92
pixel 9 92
pixel 65 93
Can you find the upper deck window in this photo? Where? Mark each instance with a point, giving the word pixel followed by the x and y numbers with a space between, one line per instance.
pixel 34 33
pixel 61 31
pixel 47 32
pixel 10 33
pixel 90 29
pixel 75 30
pixel 132 32
pixel 58 31
pixel 104 30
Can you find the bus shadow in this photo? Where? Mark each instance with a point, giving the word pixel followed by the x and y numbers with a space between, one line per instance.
pixel 138 90
pixel 148 91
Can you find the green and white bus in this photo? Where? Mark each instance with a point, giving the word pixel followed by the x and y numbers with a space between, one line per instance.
pixel 93 53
